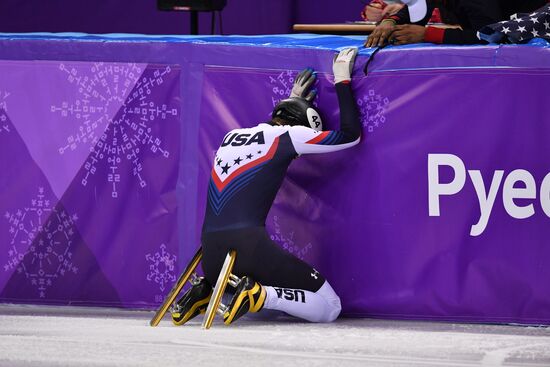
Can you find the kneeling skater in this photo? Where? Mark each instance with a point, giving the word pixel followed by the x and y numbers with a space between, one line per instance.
pixel 248 170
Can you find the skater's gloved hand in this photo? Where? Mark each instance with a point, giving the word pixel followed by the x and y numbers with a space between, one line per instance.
pixel 342 65
pixel 304 80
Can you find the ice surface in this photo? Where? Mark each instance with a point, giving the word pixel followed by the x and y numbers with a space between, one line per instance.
pixel 70 336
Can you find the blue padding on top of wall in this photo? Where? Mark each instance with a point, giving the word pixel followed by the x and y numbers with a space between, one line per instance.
pixel 283 40
pixel 315 41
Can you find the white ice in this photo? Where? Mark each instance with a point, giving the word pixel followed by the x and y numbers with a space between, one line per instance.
pixel 71 336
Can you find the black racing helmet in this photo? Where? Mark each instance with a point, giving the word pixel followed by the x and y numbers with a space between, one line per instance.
pixel 298 111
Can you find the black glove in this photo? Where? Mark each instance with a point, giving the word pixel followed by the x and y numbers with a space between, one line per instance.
pixel 304 80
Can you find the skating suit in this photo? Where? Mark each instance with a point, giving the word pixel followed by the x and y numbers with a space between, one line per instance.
pixel 248 170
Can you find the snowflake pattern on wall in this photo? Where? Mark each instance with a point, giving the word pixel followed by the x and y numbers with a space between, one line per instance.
pixel 286 240
pixel 4 127
pixel 372 108
pixel 116 125
pixel 161 269
pixel 40 247
pixel 281 86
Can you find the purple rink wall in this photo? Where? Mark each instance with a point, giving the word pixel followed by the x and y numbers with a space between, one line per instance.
pixel 442 212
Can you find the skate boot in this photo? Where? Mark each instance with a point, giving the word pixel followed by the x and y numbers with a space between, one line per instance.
pixel 249 297
pixel 193 302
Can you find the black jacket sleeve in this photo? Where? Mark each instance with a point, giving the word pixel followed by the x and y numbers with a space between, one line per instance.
pixel 403 17
pixel 472 15
pixel 350 126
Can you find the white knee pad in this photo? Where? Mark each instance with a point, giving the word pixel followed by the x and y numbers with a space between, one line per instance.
pixel 332 300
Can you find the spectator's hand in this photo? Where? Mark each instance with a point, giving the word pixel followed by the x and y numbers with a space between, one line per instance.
pixel 342 65
pixel 373 12
pixel 380 34
pixel 303 81
pixel 408 33
pixel 391 9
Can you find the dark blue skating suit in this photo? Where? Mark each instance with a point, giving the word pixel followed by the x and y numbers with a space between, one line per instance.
pixel 248 170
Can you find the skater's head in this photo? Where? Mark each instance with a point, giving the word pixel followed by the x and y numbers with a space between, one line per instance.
pixel 297 111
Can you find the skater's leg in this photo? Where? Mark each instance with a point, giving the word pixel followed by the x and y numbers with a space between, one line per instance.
pixel 215 248
pixel 291 284
pixel 321 306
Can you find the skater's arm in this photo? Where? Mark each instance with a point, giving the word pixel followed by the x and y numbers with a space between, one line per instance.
pixel 308 141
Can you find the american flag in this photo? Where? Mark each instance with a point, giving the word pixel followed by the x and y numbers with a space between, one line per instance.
pixel 520 28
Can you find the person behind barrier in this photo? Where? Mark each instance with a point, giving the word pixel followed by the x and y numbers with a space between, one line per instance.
pixel 376 10
pixel 470 15
pixel 248 170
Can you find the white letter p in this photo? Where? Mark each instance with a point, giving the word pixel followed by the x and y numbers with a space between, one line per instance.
pixel 435 188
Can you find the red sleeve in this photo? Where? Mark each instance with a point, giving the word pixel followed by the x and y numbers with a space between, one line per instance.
pixel 434 35
pixel 394 17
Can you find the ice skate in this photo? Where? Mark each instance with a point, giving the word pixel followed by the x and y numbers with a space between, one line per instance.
pixel 249 297
pixel 193 302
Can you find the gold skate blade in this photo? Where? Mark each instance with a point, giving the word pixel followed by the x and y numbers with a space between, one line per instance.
pixel 219 289
pixel 176 289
